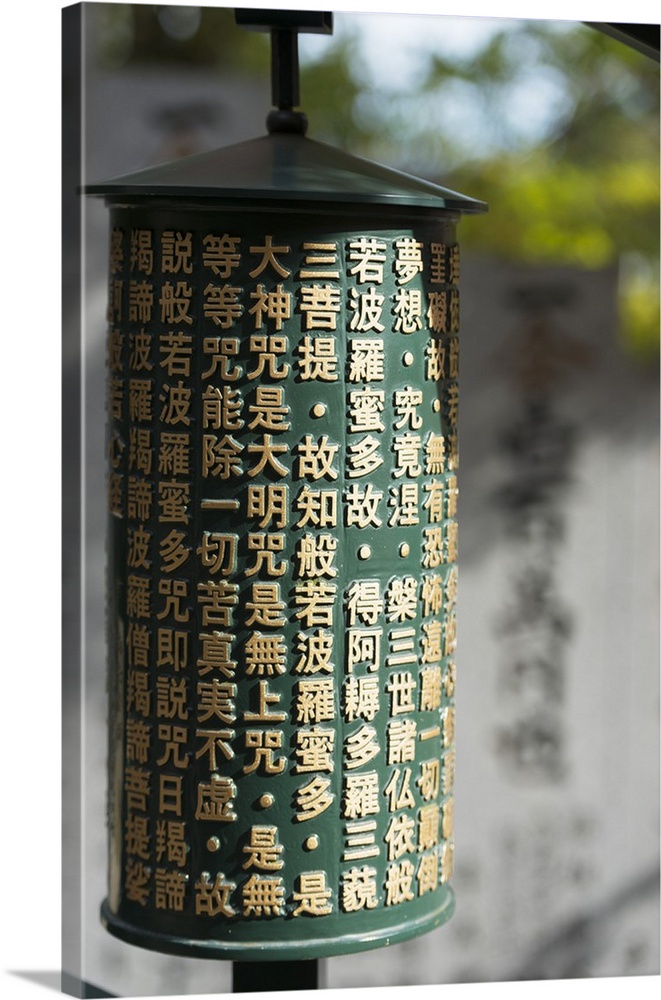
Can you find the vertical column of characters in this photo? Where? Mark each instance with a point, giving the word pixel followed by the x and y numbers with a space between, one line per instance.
pixel 173 350
pixel 439 584
pixel 363 600
pixel 402 661
pixel 115 393
pixel 138 444
pixel 216 548
pixel 266 564
pixel 314 587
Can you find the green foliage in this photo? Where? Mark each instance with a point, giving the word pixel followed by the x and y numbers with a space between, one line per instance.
pixel 159 34
pixel 589 193
pixel 574 180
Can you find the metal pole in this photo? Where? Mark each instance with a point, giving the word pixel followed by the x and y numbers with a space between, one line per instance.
pixel 263 977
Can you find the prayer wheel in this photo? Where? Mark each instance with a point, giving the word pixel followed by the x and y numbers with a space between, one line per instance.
pixel 283 343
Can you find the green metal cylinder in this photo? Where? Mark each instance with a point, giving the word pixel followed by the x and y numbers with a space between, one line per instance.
pixel 282 395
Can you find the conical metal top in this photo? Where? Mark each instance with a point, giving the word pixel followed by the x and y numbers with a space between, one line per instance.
pixel 283 167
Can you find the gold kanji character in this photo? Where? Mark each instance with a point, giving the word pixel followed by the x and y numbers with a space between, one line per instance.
pixel 427 874
pixel 137 644
pixel 361 506
pixel 169 889
pixel 265 547
pixel 215 740
pixel 316 650
pixel 428 826
pixel 364 457
pixel 366 360
pixel 215 700
pixel 176 252
pixel 265 698
pixel 171 842
pixel 268 349
pixel 359 889
pixel 320 305
pixel 360 698
pixel 215 654
pixel 138 740
pixel 315 556
pixel 314 749
pixel 407 401
pixel 400 836
pixel 217 598
pixel 401 741
pixel 447 861
pixel 221 254
pixel 408 258
pixel 364 602
pixel 265 607
pixel 264 743
pixel 430 688
pixel 320 261
pixel 398 790
pixel 399 879
pixel 435 368
pixel 137 788
pixel 262 850
pixel 174 592
pixel 177 350
pixel 408 310
pixel 267 452
pixel 315 700
pixel 136 884
pixel 368 309
pixel 402 599
pixel 318 508
pixel 175 302
pixel 217 552
pixel 222 350
pixel 318 359
pixel 361 795
pixel 137 836
pixel 142 252
pixel 407 450
pixel 268 253
pixel 361 747
pixel 170 793
pixel 263 897
pixel 215 799
pixel 369 255
pixel 212 898
pixel 172 649
pixel 363 646
pixel 313 895
pixel 429 780
pixel 173 738
pixel 316 601
pixel 313 798
pixel 274 305
pixel 140 450
pixel 141 301
pixel 264 654
pixel 222 305
pixel 316 458
pixel 400 688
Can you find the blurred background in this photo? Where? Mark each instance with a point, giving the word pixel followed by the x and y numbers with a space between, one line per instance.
pixel 556 126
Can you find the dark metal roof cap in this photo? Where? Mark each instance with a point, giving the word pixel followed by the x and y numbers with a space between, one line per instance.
pixel 284 167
